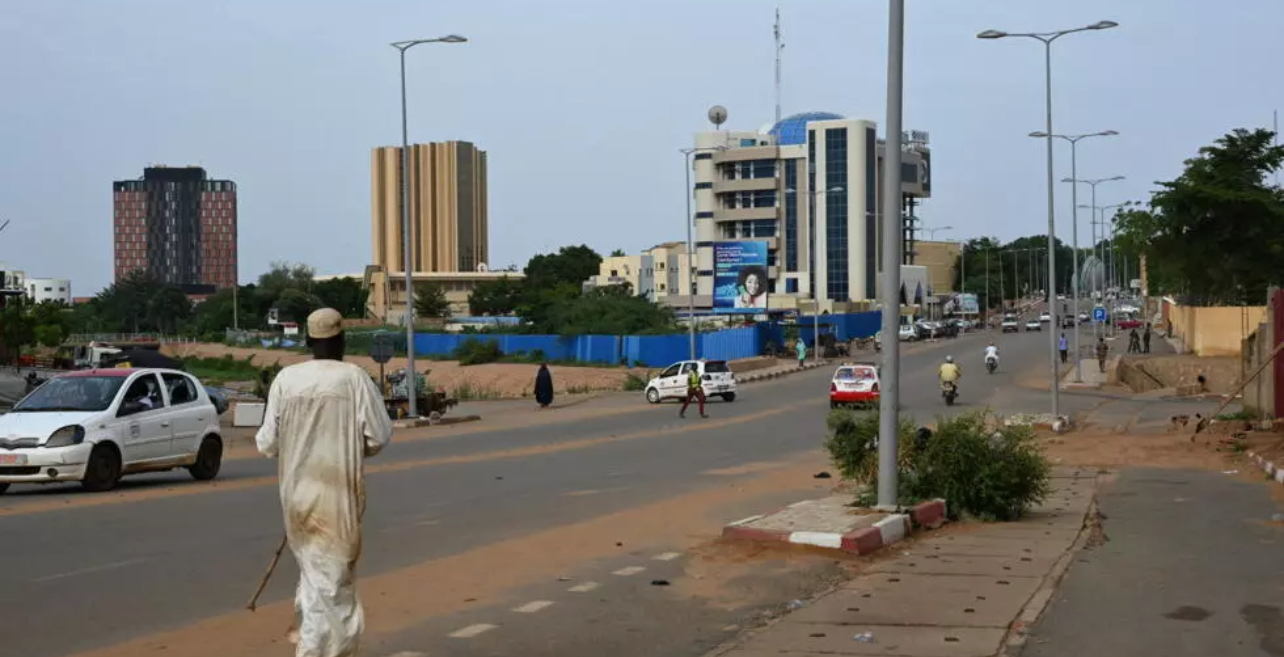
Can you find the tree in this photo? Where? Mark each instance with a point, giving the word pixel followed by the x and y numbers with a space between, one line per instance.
pixel 16 329
pixel 295 305
pixel 618 253
pixel 611 310
pixel 431 302
pixel 48 335
pixel 1216 233
pixel 570 265
pixel 346 295
pixel 138 303
pixel 500 297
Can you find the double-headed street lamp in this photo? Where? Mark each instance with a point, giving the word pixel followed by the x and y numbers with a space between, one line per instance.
pixel 691 254
pixel 1074 200
pixel 1046 38
pixel 412 387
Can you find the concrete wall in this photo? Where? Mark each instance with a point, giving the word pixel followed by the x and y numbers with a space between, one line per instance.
pixel 1222 373
pixel 1214 331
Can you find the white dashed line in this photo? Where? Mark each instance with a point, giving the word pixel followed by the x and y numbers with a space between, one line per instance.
pixel 91 569
pixel 631 570
pixel 583 588
pixel 532 607
pixel 472 631
pixel 667 556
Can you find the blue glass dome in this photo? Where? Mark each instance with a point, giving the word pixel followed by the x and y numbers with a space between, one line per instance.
pixel 793 129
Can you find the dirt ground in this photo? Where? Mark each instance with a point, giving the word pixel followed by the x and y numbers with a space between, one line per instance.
pixel 490 381
pixel 1168 450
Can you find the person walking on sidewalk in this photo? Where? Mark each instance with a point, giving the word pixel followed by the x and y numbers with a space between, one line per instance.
pixel 802 352
pixel 1064 347
pixel 1102 350
pixel 1134 342
pixel 324 417
pixel 694 391
pixel 1145 340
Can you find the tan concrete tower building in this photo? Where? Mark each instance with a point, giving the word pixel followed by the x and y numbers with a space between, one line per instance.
pixel 448 215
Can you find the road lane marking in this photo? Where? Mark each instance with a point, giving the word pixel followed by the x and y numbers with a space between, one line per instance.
pixel 667 556
pixel 91 569
pixel 583 588
pixel 472 631
pixel 631 570
pixel 532 607
pixel 545 449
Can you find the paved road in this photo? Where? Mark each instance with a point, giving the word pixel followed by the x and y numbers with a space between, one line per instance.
pixel 1191 567
pixel 164 553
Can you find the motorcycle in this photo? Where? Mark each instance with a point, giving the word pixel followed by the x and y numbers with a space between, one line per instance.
pixel 991 364
pixel 949 391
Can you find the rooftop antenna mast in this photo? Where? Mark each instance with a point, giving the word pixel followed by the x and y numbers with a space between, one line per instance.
pixel 1275 128
pixel 780 47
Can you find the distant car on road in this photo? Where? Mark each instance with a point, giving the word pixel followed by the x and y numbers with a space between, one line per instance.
pixel 1034 325
pixel 854 384
pixel 716 378
pixel 1046 318
pixel 1067 321
pixel 1010 324
pixel 907 333
pixel 93 426
pixel 1130 323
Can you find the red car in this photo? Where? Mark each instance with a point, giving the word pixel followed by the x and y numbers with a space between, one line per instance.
pixel 1127 324
pixel 854 385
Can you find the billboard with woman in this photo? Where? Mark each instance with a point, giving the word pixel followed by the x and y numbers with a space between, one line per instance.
pixel 740 276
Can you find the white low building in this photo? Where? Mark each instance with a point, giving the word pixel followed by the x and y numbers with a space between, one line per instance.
pixel 57 290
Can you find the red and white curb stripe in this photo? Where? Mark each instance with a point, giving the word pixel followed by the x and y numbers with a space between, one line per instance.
pixel 889 530
pixel 1276 472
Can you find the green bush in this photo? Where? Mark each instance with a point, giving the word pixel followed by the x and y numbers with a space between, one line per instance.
pixel 853 446
pixel 634 383
pixel 478 352
pixel 981 468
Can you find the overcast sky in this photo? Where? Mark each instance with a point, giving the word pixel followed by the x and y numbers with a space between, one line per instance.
pixel 582 107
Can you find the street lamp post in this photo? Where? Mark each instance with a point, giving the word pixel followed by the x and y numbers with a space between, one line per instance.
pixel 811 209
pixel 1046 38
pixel 931 232
pixel 412 385
pixel 1074 197
pixel 691 254
pixel 889 402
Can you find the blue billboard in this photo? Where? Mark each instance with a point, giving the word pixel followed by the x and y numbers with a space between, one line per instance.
pixel 740 282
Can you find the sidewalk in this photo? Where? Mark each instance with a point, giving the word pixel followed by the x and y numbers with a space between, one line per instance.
pixel 960 592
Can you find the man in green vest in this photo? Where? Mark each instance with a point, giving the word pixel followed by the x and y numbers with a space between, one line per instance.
pixel 694 391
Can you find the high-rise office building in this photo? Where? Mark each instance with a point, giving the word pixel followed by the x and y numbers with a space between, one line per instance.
pixel 178 226
pixel 448 215
pixel 808 187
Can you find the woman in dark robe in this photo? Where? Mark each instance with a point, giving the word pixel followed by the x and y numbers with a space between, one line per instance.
pixel 544 387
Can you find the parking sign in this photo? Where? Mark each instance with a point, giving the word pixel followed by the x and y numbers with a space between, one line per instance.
pixel 1098 314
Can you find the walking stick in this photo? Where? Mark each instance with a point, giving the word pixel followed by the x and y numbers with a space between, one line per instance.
pixel 266 576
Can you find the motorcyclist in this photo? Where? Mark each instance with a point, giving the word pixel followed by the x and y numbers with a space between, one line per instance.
pixel 992 354
pixel 949 372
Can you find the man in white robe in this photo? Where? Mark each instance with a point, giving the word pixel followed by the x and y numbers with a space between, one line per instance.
pixel 323 418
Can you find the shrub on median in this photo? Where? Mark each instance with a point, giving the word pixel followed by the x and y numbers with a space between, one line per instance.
pixel 981 468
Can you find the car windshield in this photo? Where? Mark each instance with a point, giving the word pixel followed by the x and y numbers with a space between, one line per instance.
pixel 716 367
pixel 72 393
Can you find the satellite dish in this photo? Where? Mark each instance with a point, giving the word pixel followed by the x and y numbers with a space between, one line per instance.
pixel 481 267
pixel 717 116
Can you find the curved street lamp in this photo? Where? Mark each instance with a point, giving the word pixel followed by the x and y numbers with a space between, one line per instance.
pixel 1046 38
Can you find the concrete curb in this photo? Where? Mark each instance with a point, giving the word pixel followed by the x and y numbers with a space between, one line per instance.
pixel 424 422
pixel 767 376
pixel 892 529
pixel 1273 471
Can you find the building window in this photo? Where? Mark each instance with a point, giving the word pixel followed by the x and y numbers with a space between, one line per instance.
pixel 704 215
pixel 836 252
pixel 791 217
pixel 704 185
pixel 791 286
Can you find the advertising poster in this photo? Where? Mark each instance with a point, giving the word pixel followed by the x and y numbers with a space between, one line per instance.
pixel 968 304
pixel 739 276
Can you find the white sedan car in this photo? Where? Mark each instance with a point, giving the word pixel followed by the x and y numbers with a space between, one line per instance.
pixel 716 378
pixel 94 426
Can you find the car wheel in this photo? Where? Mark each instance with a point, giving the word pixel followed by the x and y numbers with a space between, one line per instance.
pixel 653 395
pixel 209 458
pixel 3 488
pixel 102 472
pixel 833 405
pixel 729 397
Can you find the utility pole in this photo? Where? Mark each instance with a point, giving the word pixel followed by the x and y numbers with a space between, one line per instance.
pixel 889 402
